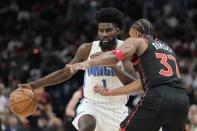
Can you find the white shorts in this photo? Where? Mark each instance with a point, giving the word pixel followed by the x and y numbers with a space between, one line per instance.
pixel 106 120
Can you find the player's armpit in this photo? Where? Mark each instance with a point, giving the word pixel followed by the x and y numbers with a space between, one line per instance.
pixel 82 53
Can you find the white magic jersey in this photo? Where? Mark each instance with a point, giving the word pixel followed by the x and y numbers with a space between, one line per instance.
pixel 103 75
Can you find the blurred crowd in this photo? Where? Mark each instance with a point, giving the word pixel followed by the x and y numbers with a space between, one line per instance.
pixel 38 37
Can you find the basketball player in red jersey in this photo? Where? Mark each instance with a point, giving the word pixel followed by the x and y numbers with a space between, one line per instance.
pixel 164 103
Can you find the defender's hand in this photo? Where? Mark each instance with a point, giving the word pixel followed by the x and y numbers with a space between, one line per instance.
pixel 78 66
pixel 101 90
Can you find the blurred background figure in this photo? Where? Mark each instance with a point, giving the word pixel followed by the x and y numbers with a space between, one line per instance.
pixel 192 117
pixel 43 119
pixel 3 100
pixel 70 109
pixel 13 125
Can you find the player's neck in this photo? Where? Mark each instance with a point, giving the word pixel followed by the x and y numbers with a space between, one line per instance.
pixel 111 47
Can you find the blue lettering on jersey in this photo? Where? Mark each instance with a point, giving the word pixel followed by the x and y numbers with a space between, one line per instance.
pixel 95 70
pixel 112 73
pixel 100 71
pixel 90 71
pixel 107 70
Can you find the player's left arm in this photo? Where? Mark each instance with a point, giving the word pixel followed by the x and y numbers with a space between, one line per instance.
pixel 127 75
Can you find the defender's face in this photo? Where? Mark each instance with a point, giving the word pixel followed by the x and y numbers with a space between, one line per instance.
pixel 107 32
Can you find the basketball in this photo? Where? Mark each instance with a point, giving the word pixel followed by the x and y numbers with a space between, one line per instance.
pixel 23 102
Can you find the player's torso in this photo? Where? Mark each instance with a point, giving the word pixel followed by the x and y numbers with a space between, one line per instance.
pixel 105 76
pixel 157 65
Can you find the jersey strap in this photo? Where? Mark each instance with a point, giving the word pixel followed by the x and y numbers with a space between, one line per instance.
pixel 136 62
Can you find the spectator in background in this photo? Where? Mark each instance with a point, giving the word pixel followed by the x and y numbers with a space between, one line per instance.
pixel 43 119
pixel 2 99
pixel 4 121
pixel 194 97
pixel 37 120
pixel 195 122
pixel 70 109
pixel 13 124
pixel 54 123
pixel 192 117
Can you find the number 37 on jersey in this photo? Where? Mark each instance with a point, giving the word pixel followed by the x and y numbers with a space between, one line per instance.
pixel 164 61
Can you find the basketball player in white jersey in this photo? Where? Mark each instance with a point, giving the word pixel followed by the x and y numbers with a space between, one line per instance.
pixel 96 112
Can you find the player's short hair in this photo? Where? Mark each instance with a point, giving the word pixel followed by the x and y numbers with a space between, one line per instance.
pixel 145 27
pixel 110 15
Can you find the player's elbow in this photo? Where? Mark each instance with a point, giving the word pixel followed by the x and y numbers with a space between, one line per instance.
pixel 126 82
pixel 140 88
pixel 129 80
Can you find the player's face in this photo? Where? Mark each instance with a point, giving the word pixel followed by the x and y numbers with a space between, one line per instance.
pixel 107 33
pixel 134 33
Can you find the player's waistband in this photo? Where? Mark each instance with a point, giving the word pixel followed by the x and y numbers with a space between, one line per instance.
pixel 174 83
pixel 104 104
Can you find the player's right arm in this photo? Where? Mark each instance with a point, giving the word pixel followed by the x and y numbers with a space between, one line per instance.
pixel 62 74
pixel 130 89
pixel 130 48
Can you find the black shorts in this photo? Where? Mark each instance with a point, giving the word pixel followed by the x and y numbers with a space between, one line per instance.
pixel 161 106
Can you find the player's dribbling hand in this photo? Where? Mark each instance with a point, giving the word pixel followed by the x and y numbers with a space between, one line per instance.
pixel 101 90
pixel 78 66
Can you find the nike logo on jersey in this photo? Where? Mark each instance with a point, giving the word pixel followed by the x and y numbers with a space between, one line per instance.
pixel 101 71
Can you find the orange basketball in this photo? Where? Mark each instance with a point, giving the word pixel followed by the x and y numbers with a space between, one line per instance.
pixel 23 102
